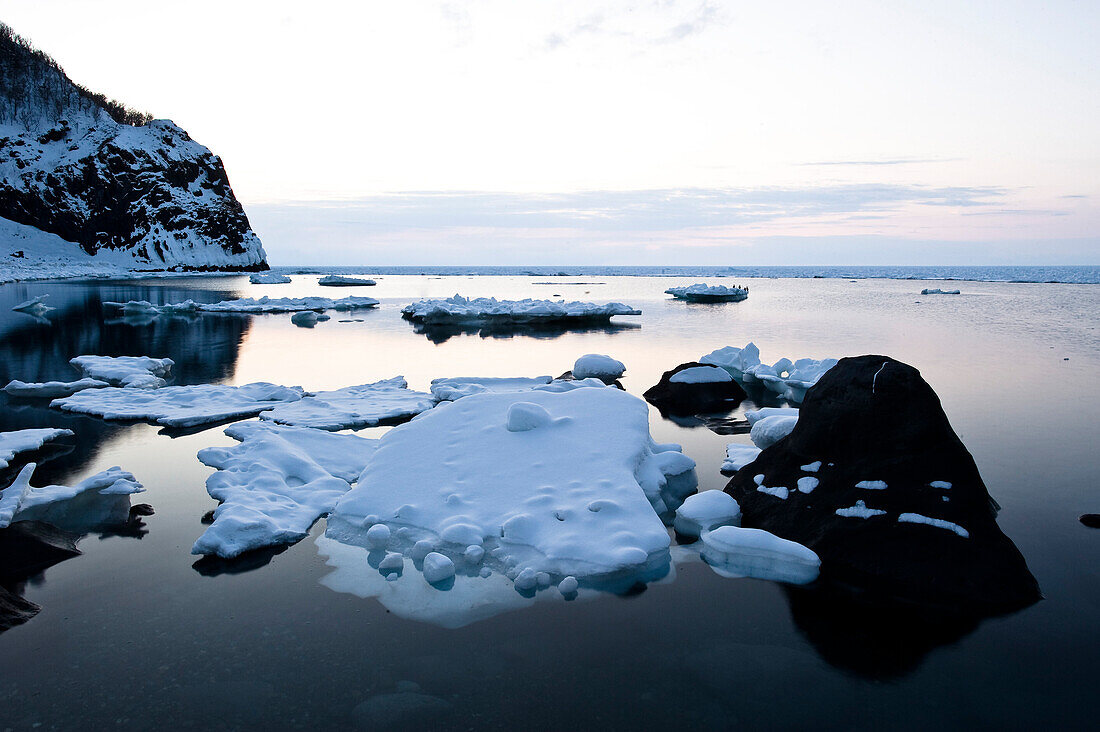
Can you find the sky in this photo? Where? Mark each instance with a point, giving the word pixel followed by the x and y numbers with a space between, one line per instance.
pixel 660 132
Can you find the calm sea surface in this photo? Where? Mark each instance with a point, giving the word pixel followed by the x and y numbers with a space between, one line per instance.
pixel 132 635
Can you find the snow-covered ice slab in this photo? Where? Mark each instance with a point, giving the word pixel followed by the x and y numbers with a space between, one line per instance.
pixel 457 387
pixel 268 278
pixel 702 292
pixel 35 307
pixel 770 430
pixel 789 379
pixel 342 281
pixel 133 372
pixel 557 483
pixel 18 441
pixel 246 305
pixel 598 366
pixel 353 407
pixel 937 291
pixel 738 456
pixel 732 551
pixel 758 414
pixel 459 309
pixel 181 406
pixel 102 498
pixel 276 483
pixel 51 389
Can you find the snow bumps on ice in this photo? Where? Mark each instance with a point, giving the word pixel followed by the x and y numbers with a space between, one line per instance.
pixel 565 484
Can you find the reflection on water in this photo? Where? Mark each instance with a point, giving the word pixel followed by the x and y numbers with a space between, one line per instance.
pixel 441 333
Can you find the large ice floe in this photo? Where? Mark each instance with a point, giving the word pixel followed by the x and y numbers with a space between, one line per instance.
pixel 458 310
pixel 353 407
pixel 180 406
pixel 102 498
pixel 937 291
pixel 268 278
pixel 276 483
pixel 702 292
pixel 789 379
pixel 537 485
pixel 343 281
pixel 244 305
pixel 12 443
pixel 132 372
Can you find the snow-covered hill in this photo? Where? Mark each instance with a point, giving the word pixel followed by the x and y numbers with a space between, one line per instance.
pixel 106 181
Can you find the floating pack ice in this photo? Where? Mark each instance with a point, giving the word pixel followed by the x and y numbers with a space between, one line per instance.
pixel 732 551
pixel 599 366
pixel 456 387
pixel 789 379
pixel 103 498
pixel 134 372
pixel 268 278
pixel 276 484
pixel 246 305
pixel 459 309
pixel 561 484
pixel 51 389
pixel 180 406
pixel 35 307
pixel 342 281
pixel 935 291
pixel 353 407
pixel 702 292
pixel 24 440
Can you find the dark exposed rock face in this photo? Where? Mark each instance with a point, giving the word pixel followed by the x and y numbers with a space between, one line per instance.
pixel 694 398
pixel 872 418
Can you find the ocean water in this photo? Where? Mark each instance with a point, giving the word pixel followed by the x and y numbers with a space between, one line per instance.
pixel 134 634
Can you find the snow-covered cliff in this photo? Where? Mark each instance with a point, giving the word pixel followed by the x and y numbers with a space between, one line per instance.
pixel 108 181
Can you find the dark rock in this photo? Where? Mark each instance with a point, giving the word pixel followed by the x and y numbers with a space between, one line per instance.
pixel 28 547
pixel 141 509
pixel 683 398
pixel 1092 520
pixel 874 418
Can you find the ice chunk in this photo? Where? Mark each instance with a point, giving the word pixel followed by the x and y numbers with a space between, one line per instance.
pixel 51 389
pixel 378 536
pixel 568 498
pixel 568 585
pixel 180 406
pixel 702 292
pixel 777 491
pixel 936 291
pixel 754 553
pixel 859 510
pixel 807 483
pixel 758 414
pixel 942 484
pixel 134 372
pixel 872 485
pixel 456 387
pixel 599 366
pixel 459 309
pixel 276 483
pixel 737 361
pixel 738 456
pixel 916 518
pixel 24 440
pixel 560 385
pixel 812 467
pixel 35 307
pixel 770 430
pixel 304 319
pixel 705 511
pixel 525 416
pixel 343 281
pixel 700 375
pixel 268 278
pixel 102 498
pixel 353 407
pixel 438 567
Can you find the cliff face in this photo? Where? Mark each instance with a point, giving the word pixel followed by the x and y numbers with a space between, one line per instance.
pixel 103 177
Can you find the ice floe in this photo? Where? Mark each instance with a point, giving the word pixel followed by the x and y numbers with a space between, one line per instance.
pixel 102 498
pixel 132 372
pixel 937 291
pixel 276 483
pixel 738 456
pixel 180 406
pixel 35 307
pixel 738 361
pixel 702 292
pixel 457 387
pixel 353 407
pixel 789 379
pixel 18 441
pixel 733 551
pixel 771 429
pixel 51 389
pixel 576 494
pixel 342 281
pixel 705 511
pixel 246 305
pixel 598 366
pixel 268 278
pixel 459 309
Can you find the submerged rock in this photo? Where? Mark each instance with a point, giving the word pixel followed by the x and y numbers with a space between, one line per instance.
pixel 693 388
pixel 898 508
